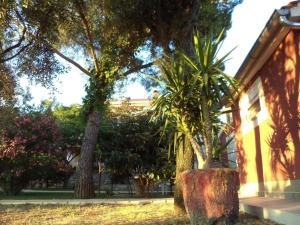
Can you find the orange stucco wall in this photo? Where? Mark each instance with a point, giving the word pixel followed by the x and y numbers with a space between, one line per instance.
pixel 271 150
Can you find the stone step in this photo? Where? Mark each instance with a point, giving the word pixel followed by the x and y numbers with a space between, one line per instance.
pixel 283 211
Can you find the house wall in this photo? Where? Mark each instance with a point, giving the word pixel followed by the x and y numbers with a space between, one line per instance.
pixel 268 145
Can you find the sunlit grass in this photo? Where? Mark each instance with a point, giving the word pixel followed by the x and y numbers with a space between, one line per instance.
pixel 90 214
pixel 141 214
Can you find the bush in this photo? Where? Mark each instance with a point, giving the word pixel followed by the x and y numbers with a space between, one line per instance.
pixel 131 147
pixel 29 150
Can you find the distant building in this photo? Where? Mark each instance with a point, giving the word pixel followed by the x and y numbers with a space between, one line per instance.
pixel 139 103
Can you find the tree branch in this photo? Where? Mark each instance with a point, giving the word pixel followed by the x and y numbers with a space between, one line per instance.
pixel 16 45
pixel 15 55
pixel 136 69
pixel 89 36
pixel 85 71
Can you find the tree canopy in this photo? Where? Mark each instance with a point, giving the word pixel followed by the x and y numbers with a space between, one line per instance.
pixel 168 24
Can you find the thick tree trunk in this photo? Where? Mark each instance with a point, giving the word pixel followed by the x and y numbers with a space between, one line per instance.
pixel 184 155
pixel 84 182
pixel 184 161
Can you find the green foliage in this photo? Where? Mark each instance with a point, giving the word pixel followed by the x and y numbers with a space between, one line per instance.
pixel 100 86
pixel 29 150
pixel 130 146
pixel 24 34
pixel 7 86
pixel 7 115
pixel 32 32
pixel 194 91
pixel 69 115
pixel 167 24
pixel 71 125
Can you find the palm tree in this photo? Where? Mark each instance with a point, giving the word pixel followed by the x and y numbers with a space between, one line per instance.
pixel 194 89
pixel 194 92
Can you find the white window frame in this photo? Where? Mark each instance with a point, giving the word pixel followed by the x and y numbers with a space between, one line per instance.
pixel 254 92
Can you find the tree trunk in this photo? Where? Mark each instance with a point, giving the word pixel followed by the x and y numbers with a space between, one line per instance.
pixel 207 132
pixel 84 182
pixel 184 155
pixel 184 161
pixel 200 155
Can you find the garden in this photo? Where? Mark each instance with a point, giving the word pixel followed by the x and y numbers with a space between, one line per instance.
pixel 168 148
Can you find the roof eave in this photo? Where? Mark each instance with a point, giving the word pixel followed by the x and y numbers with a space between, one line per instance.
pixel 269 39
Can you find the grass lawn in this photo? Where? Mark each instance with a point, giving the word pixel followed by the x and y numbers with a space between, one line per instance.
pixel 90 214
pixel 43 195
pixel 100 214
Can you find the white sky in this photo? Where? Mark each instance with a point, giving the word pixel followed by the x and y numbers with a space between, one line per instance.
pixel 248 20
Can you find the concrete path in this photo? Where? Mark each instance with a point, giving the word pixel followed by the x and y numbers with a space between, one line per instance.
pixel 86 201
pixel 284 211
pixel 71 191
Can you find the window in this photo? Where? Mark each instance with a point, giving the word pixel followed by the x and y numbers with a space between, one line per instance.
pixel 253 110
pixel 231 151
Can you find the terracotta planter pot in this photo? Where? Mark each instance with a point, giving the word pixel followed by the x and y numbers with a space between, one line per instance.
pixel 211 196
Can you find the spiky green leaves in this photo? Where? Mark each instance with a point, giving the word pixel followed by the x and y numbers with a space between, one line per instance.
pixel 194 91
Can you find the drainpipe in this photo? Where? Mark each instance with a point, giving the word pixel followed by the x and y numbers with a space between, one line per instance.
pixel 286 22
pixel 293 13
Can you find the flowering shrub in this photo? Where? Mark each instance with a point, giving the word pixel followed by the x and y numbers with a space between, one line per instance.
pixel 30 150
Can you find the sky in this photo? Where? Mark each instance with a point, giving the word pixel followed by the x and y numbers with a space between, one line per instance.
pixel 248 20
